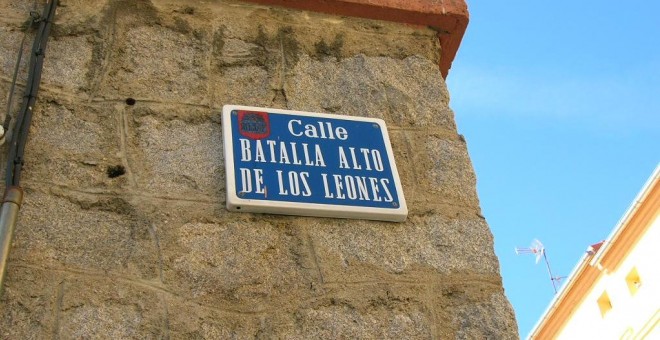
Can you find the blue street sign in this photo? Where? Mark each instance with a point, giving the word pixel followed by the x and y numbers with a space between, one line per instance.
pixel 312 164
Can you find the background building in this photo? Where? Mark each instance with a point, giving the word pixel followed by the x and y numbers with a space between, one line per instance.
pixel 614 292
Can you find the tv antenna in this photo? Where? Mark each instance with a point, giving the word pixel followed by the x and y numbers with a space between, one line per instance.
pixel 538 250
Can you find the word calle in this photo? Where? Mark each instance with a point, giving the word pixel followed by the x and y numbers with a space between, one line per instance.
pixel 325 130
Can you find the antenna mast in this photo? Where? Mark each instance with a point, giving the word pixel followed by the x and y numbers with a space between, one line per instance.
pixel 538 250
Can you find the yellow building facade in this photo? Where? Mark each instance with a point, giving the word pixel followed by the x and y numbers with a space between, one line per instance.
pixel 614 291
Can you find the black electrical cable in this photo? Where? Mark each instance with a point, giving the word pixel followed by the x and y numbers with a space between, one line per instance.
pixel 12 89
pixel 24 117
pixel 35 17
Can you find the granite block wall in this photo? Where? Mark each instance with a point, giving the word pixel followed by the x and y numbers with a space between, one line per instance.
pixel 124 234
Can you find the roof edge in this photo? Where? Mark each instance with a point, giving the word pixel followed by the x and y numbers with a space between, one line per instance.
pixel 592 260
pixel 623 222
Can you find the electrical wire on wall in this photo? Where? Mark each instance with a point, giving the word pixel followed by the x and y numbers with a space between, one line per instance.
pixel 13 193
pixel 34 19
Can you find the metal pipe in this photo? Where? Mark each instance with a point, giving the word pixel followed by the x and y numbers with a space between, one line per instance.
pixel 8 216
pixel 547 264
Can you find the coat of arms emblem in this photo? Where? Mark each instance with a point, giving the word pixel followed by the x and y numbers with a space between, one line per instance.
pixel 253 125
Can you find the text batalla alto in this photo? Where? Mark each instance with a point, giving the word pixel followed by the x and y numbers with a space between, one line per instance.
pixel 297 183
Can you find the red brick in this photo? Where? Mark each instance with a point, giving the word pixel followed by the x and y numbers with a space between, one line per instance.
pixel 448 17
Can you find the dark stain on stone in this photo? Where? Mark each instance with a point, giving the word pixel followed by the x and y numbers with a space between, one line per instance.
pixel 181 26
pixel 261 55
pixel 272 49
pixel 290 46
pixel 333 49
pixel 186 10
pixel 269 49
pixel 218 42
pixel 332 108
pixel 139 12
pixel 262 38
pixel 113 204
pixel 199 35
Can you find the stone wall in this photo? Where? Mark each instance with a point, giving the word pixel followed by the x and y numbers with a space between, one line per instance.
pixel 151 252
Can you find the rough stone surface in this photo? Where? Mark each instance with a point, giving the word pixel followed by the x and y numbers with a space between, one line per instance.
pixel 433 243
pixel 228 264
pixel 10 42
pixel 442 178
pixel 85 137
pixel 28 304
pixel 167 158
pixel 478 313
pixel 343 320
pixel 158 63
pixel 124 234
pixel 92 307
pixel 62 230
pixel 403 91
pixel 69 72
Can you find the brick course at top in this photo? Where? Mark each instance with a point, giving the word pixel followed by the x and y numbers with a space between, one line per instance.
pixel 449 17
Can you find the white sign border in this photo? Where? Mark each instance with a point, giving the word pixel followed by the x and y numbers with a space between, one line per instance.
pixel 237 204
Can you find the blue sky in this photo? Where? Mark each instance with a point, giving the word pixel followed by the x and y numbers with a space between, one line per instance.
pixel 560 104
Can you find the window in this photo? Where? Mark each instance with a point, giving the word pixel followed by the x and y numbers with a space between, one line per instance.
pixel 633 281
pixel 604 304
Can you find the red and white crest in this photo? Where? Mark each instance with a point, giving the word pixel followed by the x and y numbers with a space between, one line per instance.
pixel 254 124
